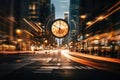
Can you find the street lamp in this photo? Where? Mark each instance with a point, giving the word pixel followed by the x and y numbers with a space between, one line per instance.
pixel 46 41
pixel 18 32
pixel 100 18
pixel 19 40
pixel 89 23
pixel 83 16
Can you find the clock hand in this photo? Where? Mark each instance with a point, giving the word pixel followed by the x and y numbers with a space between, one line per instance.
pixel 59 27
pixel 60 23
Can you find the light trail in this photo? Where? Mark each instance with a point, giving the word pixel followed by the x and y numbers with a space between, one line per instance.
pixel 30 24
pixel 97 65
pixel 85 62
pixel 96 57
pixel 118 3
pixel 107 15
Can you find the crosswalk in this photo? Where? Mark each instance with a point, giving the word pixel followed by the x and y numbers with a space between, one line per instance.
pixel 51 64
pixel 49 69
pixel 50 59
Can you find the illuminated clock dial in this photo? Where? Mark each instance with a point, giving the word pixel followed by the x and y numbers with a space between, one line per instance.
pixel 60 28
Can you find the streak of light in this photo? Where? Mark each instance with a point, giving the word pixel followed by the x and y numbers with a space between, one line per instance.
pixel 20 52
pixel 28 33
pixel 18 61
pixel 30 24
pixel 85 62
pixel 89 23
pixel 15 52
pixel 83 16
pixel 104 17
pixel 97 57
pixel 96 65
pixel 100 18
pixel 112 12
pixel 113 6
pixel 38 26
pixel 92 23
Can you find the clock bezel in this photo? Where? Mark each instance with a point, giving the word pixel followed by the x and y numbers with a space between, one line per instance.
pixel 67 27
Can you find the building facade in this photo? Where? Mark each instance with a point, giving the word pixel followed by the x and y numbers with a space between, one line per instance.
pixel 74 18
pixel 26 16
pixel 101 27
pixel 9 22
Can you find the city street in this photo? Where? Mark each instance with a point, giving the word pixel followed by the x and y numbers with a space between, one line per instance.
pixel 58 65
pixel 59 39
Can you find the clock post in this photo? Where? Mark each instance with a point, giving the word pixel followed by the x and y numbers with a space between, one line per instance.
pixel 59 29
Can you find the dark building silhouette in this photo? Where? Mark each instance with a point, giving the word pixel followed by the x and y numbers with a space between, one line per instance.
pixel 74 17
pixel 93 9
pixel 9 16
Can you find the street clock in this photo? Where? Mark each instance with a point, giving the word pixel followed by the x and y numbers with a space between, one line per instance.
pixel 60 28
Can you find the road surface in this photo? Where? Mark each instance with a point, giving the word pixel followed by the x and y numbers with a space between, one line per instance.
pixel 57 65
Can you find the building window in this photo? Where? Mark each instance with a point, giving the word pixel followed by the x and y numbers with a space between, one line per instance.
pixel 33 12
pixel 34 17
pixel 32 6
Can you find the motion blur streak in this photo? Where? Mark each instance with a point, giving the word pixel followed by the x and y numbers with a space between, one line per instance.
pixel 85 62
pixel 98 64
pixel 96 57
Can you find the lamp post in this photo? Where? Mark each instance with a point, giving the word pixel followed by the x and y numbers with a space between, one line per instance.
pixel 18 32
pixel 19 40
pixel 83 16
pixel 45 42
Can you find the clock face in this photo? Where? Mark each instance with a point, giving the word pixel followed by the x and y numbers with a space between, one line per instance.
pixel 60 28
